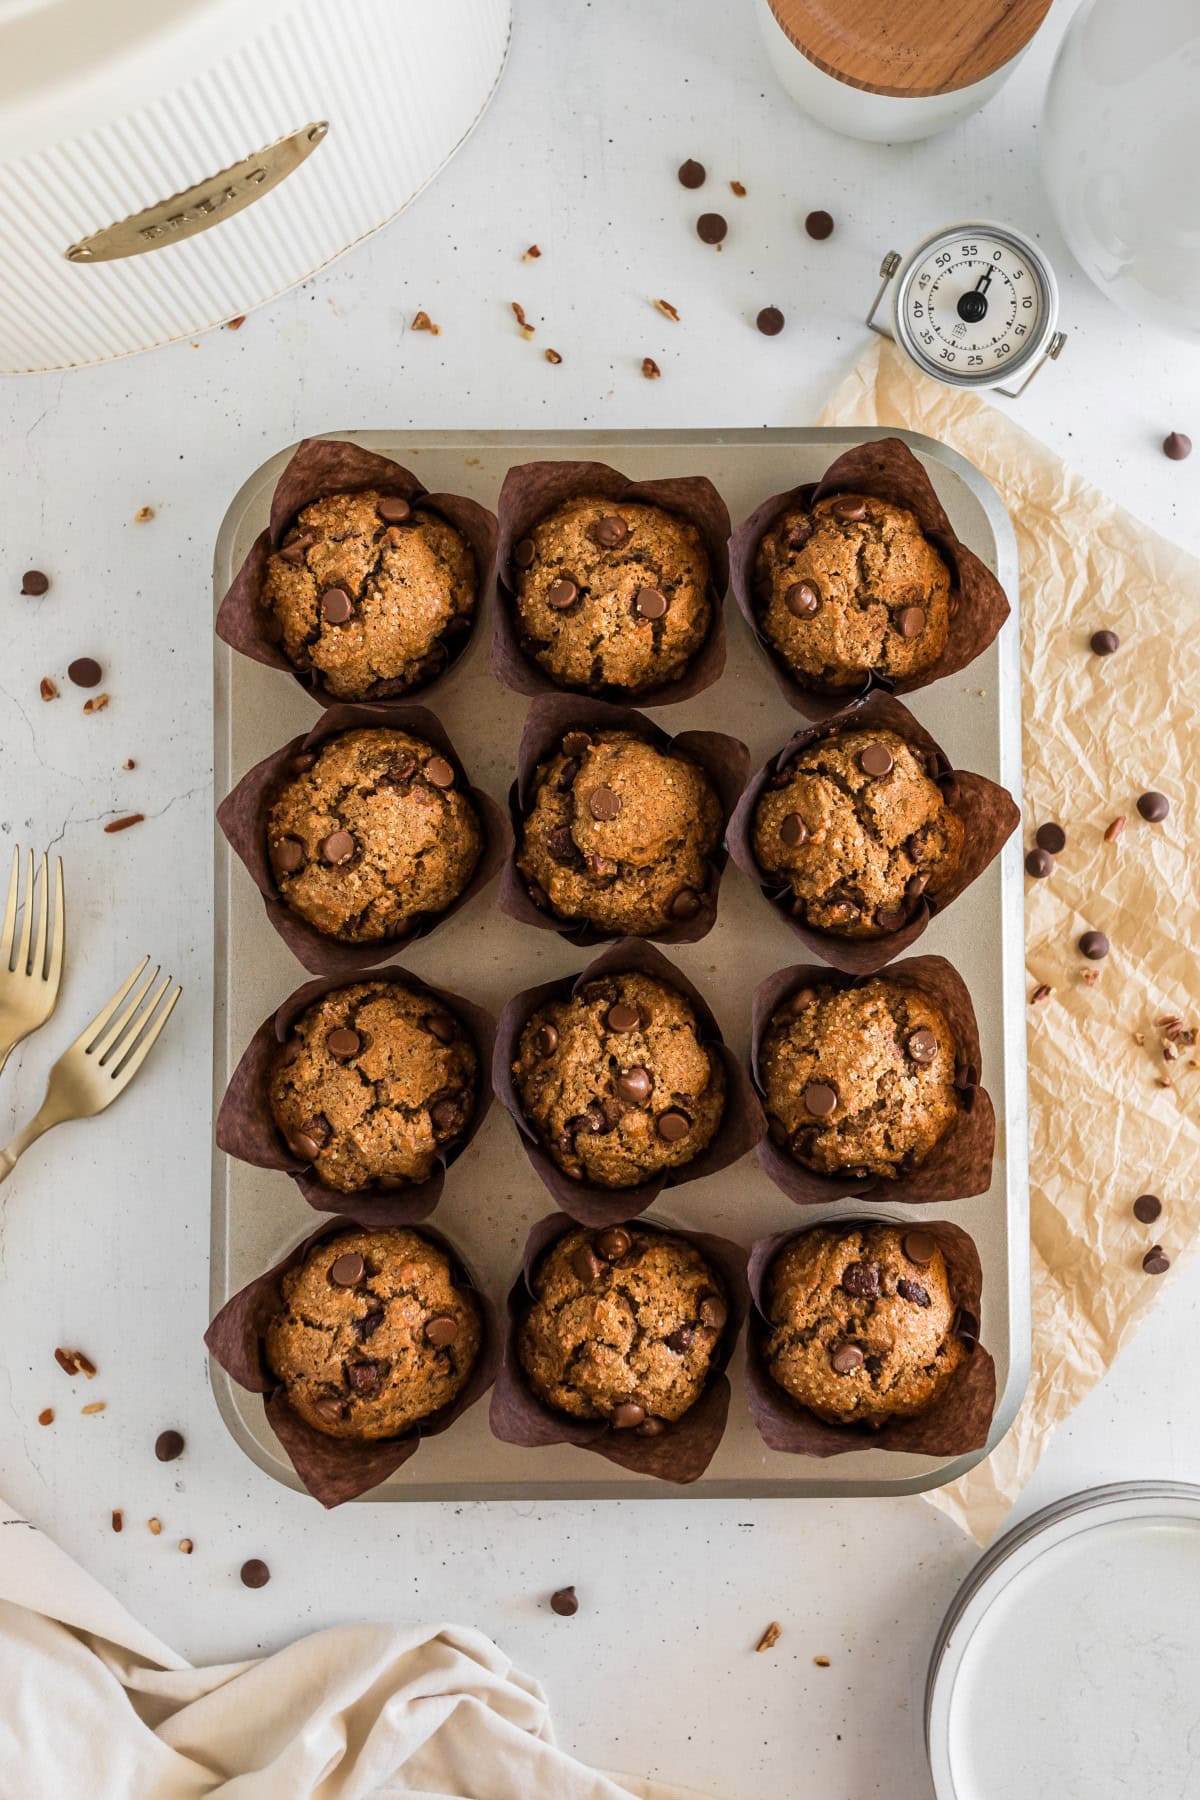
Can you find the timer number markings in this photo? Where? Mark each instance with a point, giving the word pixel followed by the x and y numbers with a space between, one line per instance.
pixel 975 305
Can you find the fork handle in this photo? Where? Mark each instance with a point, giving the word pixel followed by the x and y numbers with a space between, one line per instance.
pixel 31 1133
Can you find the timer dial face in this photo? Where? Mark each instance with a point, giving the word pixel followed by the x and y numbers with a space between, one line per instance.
pixel 974 306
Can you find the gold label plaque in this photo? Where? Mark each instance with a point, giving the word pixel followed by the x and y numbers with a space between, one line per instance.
pixel 207 203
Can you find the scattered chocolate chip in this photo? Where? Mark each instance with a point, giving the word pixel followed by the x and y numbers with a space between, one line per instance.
pixel 681 1340
pixel 1052 838
pixel 343 1042
pixel 770 321
pixel 1177 445
pixel 635 1086
pixel 711 228
pixel 1105 642
pixel 445 1116
pixel 168 1445
pixel 713 1312
pixel 820 1099
pixel 627 1415
pixel 441 1331
pixel 1153 807
pixel 565 1603
pixel 442 1027
pixel 439 772
pixel 622 1017
pixel 685 904
pixel 649 603
pixel 861 1280
pixel 1156 1261
pixel 576 743
pixel 912 621
pixel 255 1573
pixel 1146 1208
pixel 363 1377
pixel 564 593
pixel 293 550
pixel 876 759
pixel 819 225
pixel 845 1359
pixel 613 1242
pixel 610 532
pixel 802 999
pixel 393 509
pixel 545 1040
pixel 85 672
pixel 586 1264
pixel 673 1125
pixel 1094 945
pixel 793 831
pixel 850 510
pixel 523 553
pixel 338 847
pixel 337 605
pixel 802 600
pixel 348 1269
pixel 922 1044
pixel 1039 864
pixel 604 804
pixel 692 174
pixel 919 1247
pixel 799 534
pixel 35 583
pixel 912 1291
pixel 651 1428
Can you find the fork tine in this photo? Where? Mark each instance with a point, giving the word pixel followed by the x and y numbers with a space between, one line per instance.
pixel 26 917
pixel 124 1033
pixel 39 947
pixel 10 910
pixel 152 1024
pixel 90 1032
pixel 58 932
pixel 112 1033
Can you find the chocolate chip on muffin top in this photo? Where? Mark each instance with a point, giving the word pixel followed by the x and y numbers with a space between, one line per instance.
pixel 612 596
pixel 373 593
pixel 620 833
pixel 850 588
pixel 858 830
pixel 616 1081
pixel 370 831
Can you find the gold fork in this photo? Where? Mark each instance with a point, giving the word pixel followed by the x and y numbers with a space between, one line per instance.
pixel 31 967
pixel 102 1061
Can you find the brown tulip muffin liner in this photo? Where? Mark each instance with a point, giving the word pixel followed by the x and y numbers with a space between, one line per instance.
pixel 725 760
pixel 960 1163
pixel 532 490
pixel 336 1469
pixel 742 1122
pixel 242 816
pixel 885 470
pixel 957 1422
pixel 246 1126
pixel 321 467
pixel 685 1449
pixel 988 812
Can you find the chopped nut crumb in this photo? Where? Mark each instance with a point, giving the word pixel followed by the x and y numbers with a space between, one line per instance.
pixel 236 324
pixel 97 703
pixel 552 356
pixel 522 321
pixel 1040 993
pixel 532 254
pixel 93 1406
pixel 423 322
pixel 1162 1082
pixel 155 1526
pixel 650 368
pixel 125 823
pixel 1113 830
pixel 1169 1052
pixel 1090 977
pixel 129 763
pixel 143 515
pixel 736 187
pixel 667 310
pixel 822 1662
pixel 187 1546
pixel 74 1362
pixel 46 1416
pixel 47 689
pixel 770 1636
pixel 118 1519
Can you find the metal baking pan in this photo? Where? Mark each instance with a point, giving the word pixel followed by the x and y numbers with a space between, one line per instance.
pixel 492 1196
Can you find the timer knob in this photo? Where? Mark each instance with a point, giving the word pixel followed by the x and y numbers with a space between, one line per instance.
pixel 972 306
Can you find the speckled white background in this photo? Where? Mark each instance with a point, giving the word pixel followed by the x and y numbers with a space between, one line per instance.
pixel 105 1228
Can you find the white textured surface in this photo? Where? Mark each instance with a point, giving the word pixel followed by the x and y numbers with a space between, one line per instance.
pixel 104 1236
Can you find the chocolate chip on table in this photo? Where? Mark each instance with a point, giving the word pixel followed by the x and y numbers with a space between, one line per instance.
pixel 711 228
pixel 565 1603
pixel 604 804
pixel 913 1292
pixel 673 1125
pixel 912 621
pixel 919 1247
pixel 35 583
pixel 1146 1208
pixel 348 1269
pixel 168 1445
pixel 343 1042
pixel 635 1086
pixel 338 847
pixel 622 1017
pixel 876 759
pixel 692 174
pixel 255 1573
pixel 1156 1261
pixel 685 904
pixel 1153 807
pixel 922 1044
pixel 564 593
pixel 1051 837
pixel 819 225
pixel 820 1099
pixel 1177 445
pixel 586 1264
pixel 545 1040
pixel 650 603
pixel 613 1242
pixel 1104 643
pixel 441 1026
pixel 861 1280
pixel 337 605
pixel 85 672
pixel 1039 864
pixel 610 532
pixel 793 831
pixel 627 1415
pixel 393 509
pixel 770 321
pixel 845 1359
pixel 441 1330
pixel 439 772
pixel 802 600
pixel 1094 945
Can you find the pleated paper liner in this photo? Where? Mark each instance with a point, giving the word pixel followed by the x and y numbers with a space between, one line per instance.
pixel 246 1126
pixel 884 470
pixel 684 1449
pixel 725 760
pixel 531 490
pixel 243 814
pixel 957 1422
pixel 960 1164
pixel 742 1123
pixel 337 1469
pixel 988 812
pixel 321 467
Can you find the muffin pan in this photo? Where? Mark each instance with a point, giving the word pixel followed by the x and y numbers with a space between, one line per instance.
pixel 492 1197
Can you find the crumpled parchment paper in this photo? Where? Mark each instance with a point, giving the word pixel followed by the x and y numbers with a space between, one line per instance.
pixel 1110 1117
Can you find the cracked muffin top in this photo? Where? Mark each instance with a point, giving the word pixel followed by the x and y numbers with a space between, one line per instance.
pixel 373 1334
pixel 624 1327
pixel 369 831
pixel 859 1080
pixel 616 1082
pixel 612 595
pixel 373 594
pixel 619 833
pixel 858 830
pixel 851 588
pixel 374 1083
pixel 861 1323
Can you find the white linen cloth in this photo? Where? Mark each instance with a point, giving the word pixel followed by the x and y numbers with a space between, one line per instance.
pixel 93 1707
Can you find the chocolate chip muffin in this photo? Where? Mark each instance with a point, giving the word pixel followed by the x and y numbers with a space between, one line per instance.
pixel 849 588
pixel 373 1084
pixel 619 833
pixel 616 1082
pixel 858 830
pixel 859 1080
pixel 374 1333
pixel 612 595
pixel 371 593
pixel 369 832
pixel 862 1323
pixel 624 1327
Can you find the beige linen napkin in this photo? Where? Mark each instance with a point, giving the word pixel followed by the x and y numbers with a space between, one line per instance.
pixel 1110 1116
pixel 92 1705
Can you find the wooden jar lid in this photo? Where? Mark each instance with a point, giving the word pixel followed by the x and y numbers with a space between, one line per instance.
pixel 909 48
